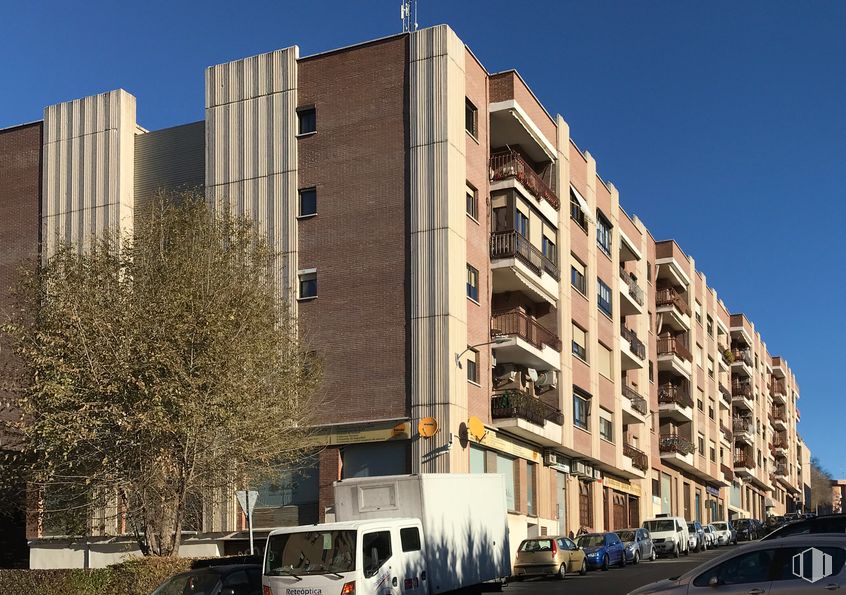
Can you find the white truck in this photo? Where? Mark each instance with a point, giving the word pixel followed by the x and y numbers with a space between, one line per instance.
pixel 416 534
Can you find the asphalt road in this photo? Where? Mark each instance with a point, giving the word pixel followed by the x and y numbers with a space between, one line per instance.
pixel 616 581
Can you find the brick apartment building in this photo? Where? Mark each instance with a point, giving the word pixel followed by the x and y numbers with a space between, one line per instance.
pixel 427 211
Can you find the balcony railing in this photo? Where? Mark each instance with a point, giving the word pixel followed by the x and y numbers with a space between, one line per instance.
pixel 512 165
pixel 635 290
pixel 777 387
pixel 674 394
pixel 673 443
pixel 726 432
pixel 741 389
pixel 729 474
pixel 743 355
pixel 637 346
pixel 670 297
pixel 517 404
pixel 520 324
pixel 638 457
pixel 779 413
pixel 780 470
pixel 779 442
pixel 744 461
pixel 638 402
pixel 672 345
pixel 725 392
pixel 742 426
pixel 510 244
pixel 725 353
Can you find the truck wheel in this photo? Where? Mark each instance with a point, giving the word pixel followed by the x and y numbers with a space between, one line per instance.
pixel 605 562
pixel 583 569
pixel 562 572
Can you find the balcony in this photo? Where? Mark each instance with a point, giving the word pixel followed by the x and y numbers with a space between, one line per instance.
pixel 678 451
pixel 674 356
pixel 632 349
pixel 639 459
pixel 744 464
pixel 727 473
pixel 532 345
pixel 779 446
pixel 744 430
pixel 780 471
pixel 725 356
pixel 726 433
pixel 633 296
pixel 527 417
pixel 742 361
pixel 669 302
pixel 674 403
pixel 725 393
pixel 779 417
pixel 511 165
pixel 778 391
pixel 635 406
pixel 742 395
pixel 517 265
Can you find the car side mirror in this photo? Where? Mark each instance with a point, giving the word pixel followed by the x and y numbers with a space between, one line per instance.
pixel 714 582
pixel 227 591
pixel 575 548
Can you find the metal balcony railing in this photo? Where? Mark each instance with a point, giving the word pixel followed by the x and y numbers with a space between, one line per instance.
pixel 744 461
pixel 673 443
pixel 517 404
pixel 510 244
pixel 638 402
pixel 512 165
pixel 635 290
pixel 674 394
pixel 777 387
pixel 637 346
pixel 743 355
pixel 779 413
pixel 729 474
pixel 673 345
pixel 670 297
pixel 742 426
pixel 726 432
pixel 780 470
pixel 741 389
pixel 638 457
pixel 520 324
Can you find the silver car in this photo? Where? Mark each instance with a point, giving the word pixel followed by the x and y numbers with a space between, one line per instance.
pixel 638 544
pixel 795 565
pixel 725 532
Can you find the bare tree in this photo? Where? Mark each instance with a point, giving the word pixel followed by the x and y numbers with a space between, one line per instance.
pixel 820 487
pixel 157 372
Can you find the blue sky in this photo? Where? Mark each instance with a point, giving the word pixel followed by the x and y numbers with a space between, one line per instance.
pixel 722 123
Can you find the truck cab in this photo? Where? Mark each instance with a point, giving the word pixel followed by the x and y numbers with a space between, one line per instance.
pixel 370 557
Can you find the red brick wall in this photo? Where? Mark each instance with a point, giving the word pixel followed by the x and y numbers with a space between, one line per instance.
pixel 358 241
pixel 330 472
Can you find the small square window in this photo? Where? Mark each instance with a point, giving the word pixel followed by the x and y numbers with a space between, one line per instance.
pixel 473 365
pixel 471 118
pixel 472 201
pixel 472 283
pixel 308 285
pixel 308 202
pixel 307 118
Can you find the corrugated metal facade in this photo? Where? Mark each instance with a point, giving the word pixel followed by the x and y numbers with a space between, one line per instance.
pixel 172 159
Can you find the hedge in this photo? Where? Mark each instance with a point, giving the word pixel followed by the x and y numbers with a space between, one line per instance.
pixel 133 577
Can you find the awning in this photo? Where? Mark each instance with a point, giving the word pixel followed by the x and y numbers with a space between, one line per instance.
pixel 583 205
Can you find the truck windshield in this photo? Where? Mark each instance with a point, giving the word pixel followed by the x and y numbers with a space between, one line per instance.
pixel 658 526
pixel 310 552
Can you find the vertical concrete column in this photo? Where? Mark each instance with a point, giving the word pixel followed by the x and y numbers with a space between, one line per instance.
pixel 89 166
pixel 438 244
pixel 593 313
pixel 521 496
pixel 565 305
pixel 616 288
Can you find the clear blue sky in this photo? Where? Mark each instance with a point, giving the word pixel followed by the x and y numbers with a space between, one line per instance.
pixel 722 123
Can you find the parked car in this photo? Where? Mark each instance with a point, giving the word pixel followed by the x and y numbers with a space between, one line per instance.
pixel 638 544
pixel 710 536
pixel 761 567
pixel 747 529
pixel 827 523
pixel 229 579
pixel 669 534
pixel 548 556
pixel 602 550
pixel 697 537
pixel 725 533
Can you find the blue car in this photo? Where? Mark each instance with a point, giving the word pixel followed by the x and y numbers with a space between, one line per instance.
pixel 602 550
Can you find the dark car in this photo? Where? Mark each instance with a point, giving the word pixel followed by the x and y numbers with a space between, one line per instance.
pixel 602 550
pixel 229 579
pixel 638 544
pixel 747 529
pixel 827 523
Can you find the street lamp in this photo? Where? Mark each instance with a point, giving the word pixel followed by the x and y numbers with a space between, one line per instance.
pixel 496 341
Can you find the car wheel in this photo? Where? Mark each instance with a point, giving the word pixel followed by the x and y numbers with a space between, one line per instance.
pixel 654 555
pixel 636 558
pixel 562 571
pixel 623 559
pixel 686 551
pixel 583 569
pixel 605 562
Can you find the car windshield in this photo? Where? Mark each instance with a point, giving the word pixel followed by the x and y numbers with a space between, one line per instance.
pixel 719 526
pixel 310 552
pixel 626 535
pixel 740 523
pixel 195 583
pixel 591 541
pixel 691 527
pixel 658 526
pixel 536 545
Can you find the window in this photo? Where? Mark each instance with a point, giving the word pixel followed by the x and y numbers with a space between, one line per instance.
pixel 699 404
pixel 697 308
pixel 709 322
pixel 712 451
pixel 603 356
pixel 472 201
pixel 477 459
pixel 473 365
pixel 378 543
pixel 579 342
pixel 308 202
pixel 710 407
pixel 307 119
pixel 701 443
pixel 603 233
pixel 581 412
pixel 548 249
pixel 530 489
pixel 471 118
pixel 698 351
pixel 576 212
pixel 651 372
pixel 410 539
pixel 603 296
pixel 472 283
pixel 521 223
pixel 753 567
pixel 606 426
pixel 585 504
pixel 505 466
pixel 649 272
pixel 710 367
pixel 577 275
pixel 308 284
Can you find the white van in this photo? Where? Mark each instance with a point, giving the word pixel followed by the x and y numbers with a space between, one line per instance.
pixel 669 534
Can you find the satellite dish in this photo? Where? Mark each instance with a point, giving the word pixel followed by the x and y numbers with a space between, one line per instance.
pixel 476 427
pixel 427 427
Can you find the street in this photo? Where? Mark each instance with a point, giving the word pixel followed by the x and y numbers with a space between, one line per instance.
pixel 616 581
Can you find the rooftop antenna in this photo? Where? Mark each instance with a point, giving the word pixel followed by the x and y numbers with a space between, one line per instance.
pixel 406 15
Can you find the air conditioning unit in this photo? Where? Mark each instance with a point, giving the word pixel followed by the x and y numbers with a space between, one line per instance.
pixel 550 457
pixel 547 380
pixel 505 374
pixel 532 374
